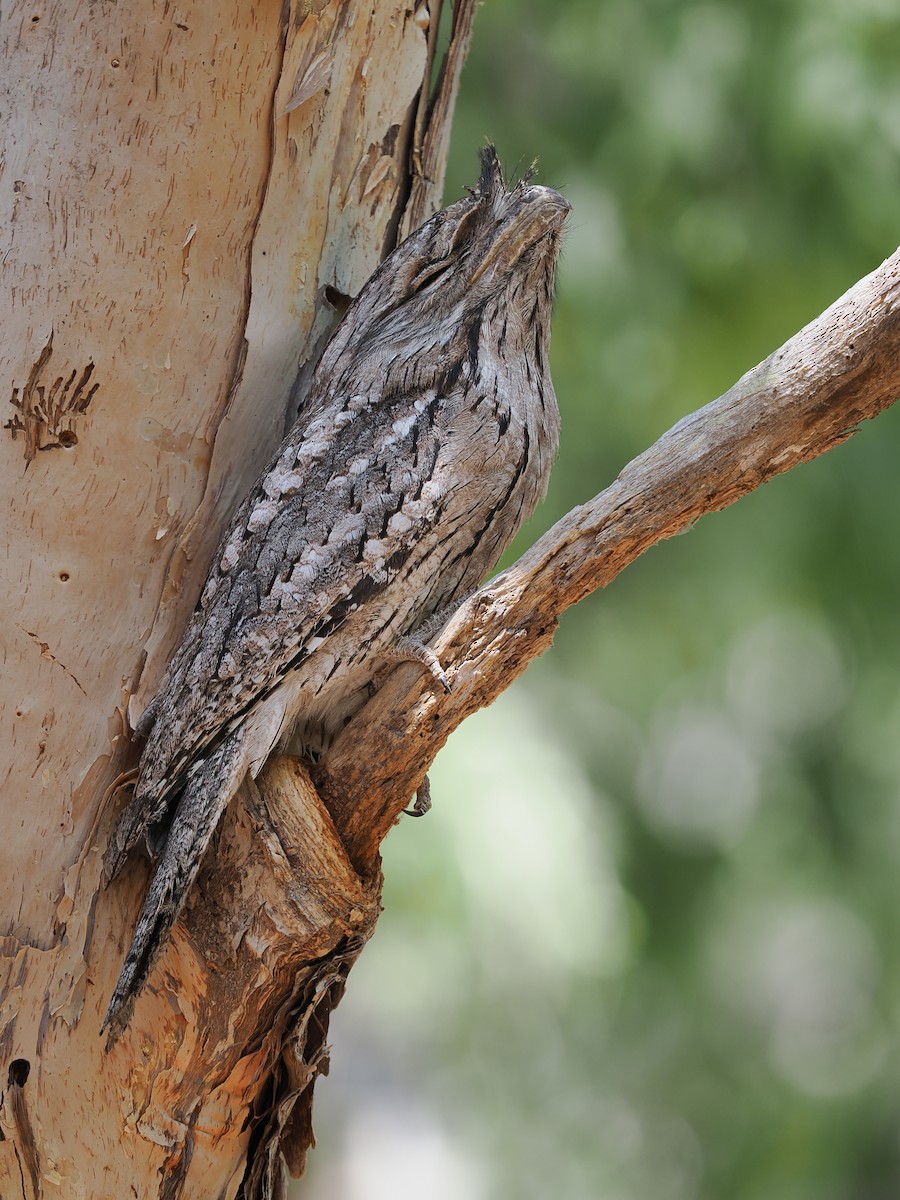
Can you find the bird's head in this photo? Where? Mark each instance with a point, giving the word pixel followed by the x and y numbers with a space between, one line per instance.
pixel 475 246
pixel 495 242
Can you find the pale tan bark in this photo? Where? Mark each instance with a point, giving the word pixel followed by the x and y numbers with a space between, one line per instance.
pixel 189 192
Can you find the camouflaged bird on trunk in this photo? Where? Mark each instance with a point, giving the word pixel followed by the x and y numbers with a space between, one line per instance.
pixel 426 438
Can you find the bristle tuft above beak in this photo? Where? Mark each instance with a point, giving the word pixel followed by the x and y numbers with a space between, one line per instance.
pixel 490 182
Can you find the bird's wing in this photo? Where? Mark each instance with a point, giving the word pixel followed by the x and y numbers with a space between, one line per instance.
pixel 330 525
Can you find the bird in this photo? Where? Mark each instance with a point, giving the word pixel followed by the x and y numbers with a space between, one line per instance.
pixel 425 439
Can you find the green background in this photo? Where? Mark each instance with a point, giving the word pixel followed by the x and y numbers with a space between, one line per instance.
pixel 644 948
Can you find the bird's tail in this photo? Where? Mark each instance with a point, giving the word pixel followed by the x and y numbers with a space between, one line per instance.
pixel 209 788
pixel 128 831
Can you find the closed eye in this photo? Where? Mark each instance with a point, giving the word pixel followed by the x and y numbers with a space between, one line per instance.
pixel 464 230
pixel 430 273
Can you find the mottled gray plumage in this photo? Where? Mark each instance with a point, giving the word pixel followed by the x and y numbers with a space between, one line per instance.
pixel 426 438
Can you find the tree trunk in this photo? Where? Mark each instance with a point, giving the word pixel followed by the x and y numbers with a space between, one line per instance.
pixel 191 194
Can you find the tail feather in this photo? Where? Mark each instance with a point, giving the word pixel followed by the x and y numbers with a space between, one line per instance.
pixel 133 818
pixel 207 793
pixel 128 833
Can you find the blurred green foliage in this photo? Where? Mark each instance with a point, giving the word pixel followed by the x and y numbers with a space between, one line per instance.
pixel 645 946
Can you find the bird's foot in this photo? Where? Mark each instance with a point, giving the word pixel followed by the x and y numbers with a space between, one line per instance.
pixel 411 649
pixel 422 802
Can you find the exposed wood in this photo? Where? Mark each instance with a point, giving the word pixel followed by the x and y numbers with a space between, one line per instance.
pixel 807 397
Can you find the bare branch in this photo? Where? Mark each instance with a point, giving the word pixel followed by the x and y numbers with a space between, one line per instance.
pixel 810 395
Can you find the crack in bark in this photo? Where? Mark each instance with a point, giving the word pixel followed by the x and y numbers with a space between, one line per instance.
pixel 46 652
